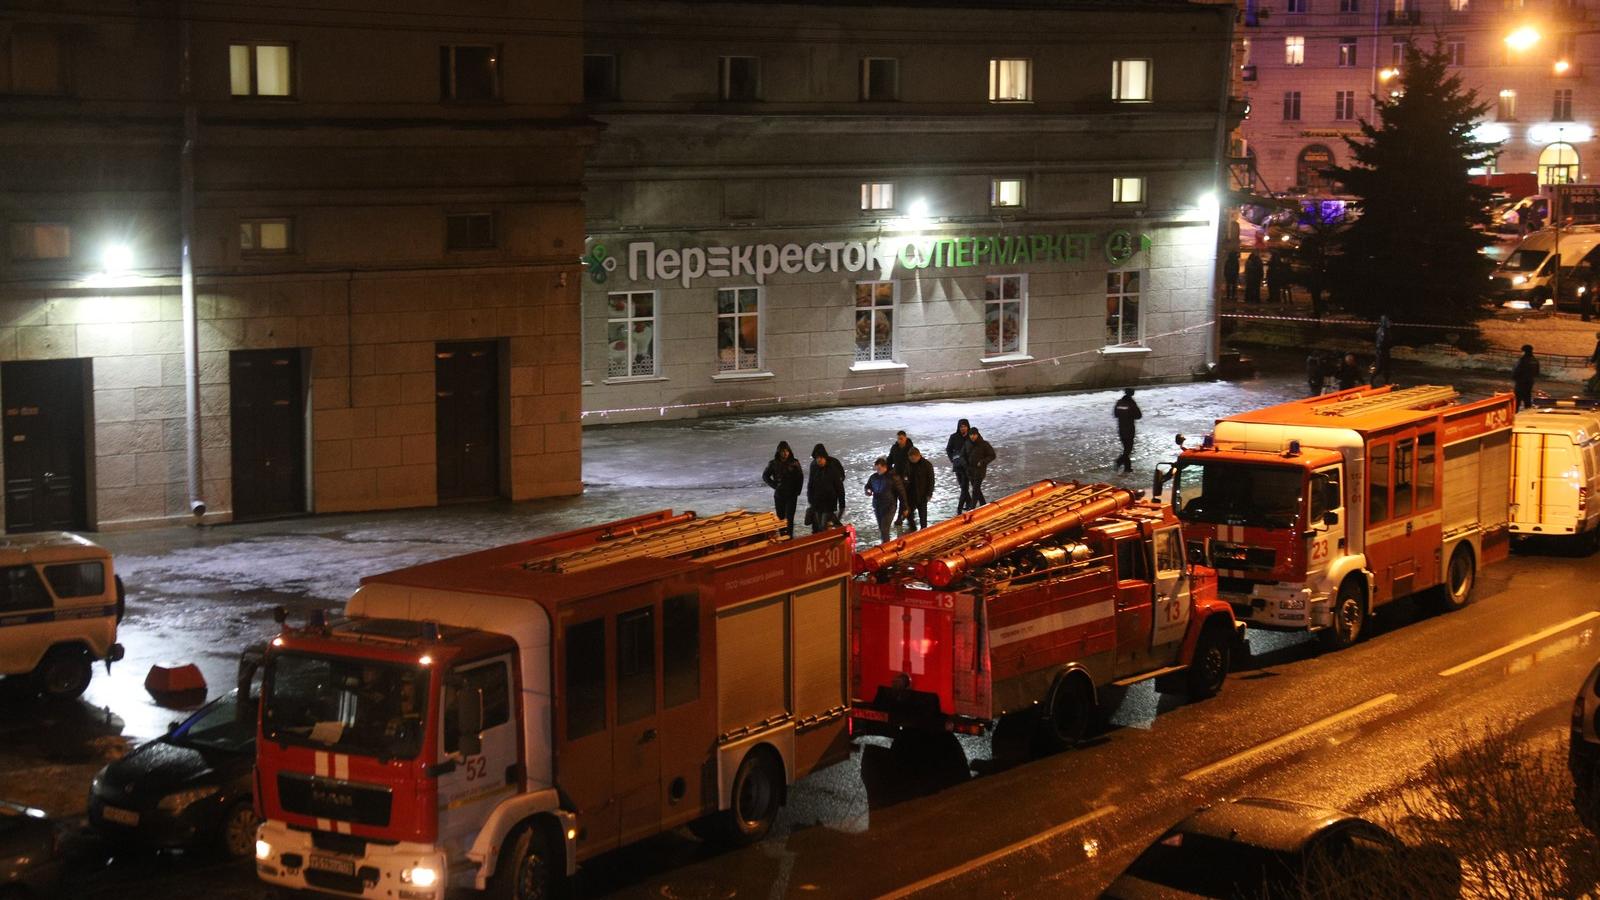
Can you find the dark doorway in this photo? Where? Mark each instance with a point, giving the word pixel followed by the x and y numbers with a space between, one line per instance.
pixel 267 396
pixel 45 455
pixel 467 391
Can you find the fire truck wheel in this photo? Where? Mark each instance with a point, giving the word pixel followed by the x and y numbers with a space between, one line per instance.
pixel 1072 713
pixel 757 796
pixel 526 870
pixel 1459 579
pixel 1349 615
pixel 1209 668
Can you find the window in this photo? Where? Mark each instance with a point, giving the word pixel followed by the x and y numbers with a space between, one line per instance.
pixel 1459 6
pixel 1325 496
pixel 1169 551
pixel 739 78
pixel 1405 460
pixel 1010 80
pixel 469 72
pixel 1377 484
pixel 599 76
pixel 636 665
pixel 1349 6
pixel 1506 108
pixel 1291 106
pixel 1006 192
pixel 1005 314
pixel 1561 111
pixel 1455 52
pixel 264 235
pixel 1132 80
pixel 739 329
pixel 631 334
pixel 469 231
pixel 261 70
pixel 877 195
pixel 880 78
pixel 1425 470
pixel 1133 564
pixel 32 61
pixel 875 321
pixel 492 685
pixel 1397 51
pixel 86 579
pixel 1122 308
pixel 1294 50
pixel 1127 189
pixel 585 650
pixel 20 589
pixel 40 240
pixel 1558 164
pixel 1347 52
pixel 1344 105
pixel 1297 7
pixel 680 650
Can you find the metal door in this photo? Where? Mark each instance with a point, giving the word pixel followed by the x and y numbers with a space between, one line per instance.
pixel 467 382
pixel 45 455
pixel 267 399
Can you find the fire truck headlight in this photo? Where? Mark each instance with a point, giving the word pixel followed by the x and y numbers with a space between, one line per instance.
pixel 263 850
pixel 421 876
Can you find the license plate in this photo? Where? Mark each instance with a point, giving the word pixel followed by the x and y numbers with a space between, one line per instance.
pixel 120 816
pixel 333 864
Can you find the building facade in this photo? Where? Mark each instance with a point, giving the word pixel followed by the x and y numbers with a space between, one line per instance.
pixel 382 208
pixel 1313 67
pixel 818 203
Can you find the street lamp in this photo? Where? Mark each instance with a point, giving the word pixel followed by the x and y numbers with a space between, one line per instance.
pixel 1523 38
pixel 116 259
pixel 1387 74
pixel 1561 66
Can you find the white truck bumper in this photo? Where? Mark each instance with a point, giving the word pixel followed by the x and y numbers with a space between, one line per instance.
pixel 286 857
pixel 1286 607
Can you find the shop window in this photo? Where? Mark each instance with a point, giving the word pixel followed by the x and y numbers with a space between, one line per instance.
pixel 880 78
pixel 680 650
pixel 1294 50
pixel 585 649
pixel 877 195
pixel 1005 314
pixel 1291 106
pixel 1558 164
pixel 261 70
pixel 1007 193
pixel 469 231
pixel 1010 80
pixel 1132 80
pixel 1347 53
pixel 631 334
pixel 1424 481
pixel 1344 105
pixel 1122 308
pixel 1506 107
pixel 599 76
pixel 264 235
pixel 1127 189
pixel 874 321
pixel 739 329
pixel 40 240
pixel 636 665
pixel 739 78
pixel 1377 483
pixel 469 72
pixel 32 61
pixel 1561 109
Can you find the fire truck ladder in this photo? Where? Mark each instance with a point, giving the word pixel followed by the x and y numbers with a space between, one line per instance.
pixel 1427 396
pixel 688 538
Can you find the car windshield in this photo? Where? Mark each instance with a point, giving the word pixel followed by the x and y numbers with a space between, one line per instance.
pixel 352 706
pixel 1238 494
pixel 219 725
pixel 1213 867
pixel 1525 260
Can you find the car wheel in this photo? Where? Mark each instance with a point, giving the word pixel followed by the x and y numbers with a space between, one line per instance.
pixel 1209 667
pixel 1459 579
pixel 527 869
pixel 236 837
pixel 64 674
pixel 1349 616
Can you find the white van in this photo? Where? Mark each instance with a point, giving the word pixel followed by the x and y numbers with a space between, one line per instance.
pixel 1555 474
pixel 60 604
pixel 1528 274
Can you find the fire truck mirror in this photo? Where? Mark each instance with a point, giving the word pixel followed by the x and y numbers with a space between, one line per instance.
pixel 1330 518
pixel 469 721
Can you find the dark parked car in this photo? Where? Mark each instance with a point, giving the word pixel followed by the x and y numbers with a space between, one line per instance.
pixel 30 856
pixel 1583 752
pixel 1253 848
pixel 191 788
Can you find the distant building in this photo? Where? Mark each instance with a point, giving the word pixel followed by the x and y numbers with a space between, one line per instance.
pixel 386 218
pixel 818 203
pixel 1313 67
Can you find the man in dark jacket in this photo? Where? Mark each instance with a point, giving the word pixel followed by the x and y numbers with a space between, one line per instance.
pixel 1230 274
pixel 1383 345
pixel 919 490
pixel 1349 373
pixel 1523 375
pixel 784 476
pixel 1316 372
pixel 978 457
pixel 897 453
pixel 1127 412
pixel 956 449
pixel 888 494
pixel 824 491
pixel 1253 270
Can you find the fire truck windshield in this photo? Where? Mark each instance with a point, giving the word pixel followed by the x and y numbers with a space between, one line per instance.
pixel 346 705
pixel 1228 493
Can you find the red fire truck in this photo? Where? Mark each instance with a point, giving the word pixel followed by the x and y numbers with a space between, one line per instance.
pixel 1026 609
pixel 492 720
pixel 1318 511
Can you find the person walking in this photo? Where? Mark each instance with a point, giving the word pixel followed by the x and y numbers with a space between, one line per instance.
pixel 1252 278
pixel 956 450
pixel 919 490
pixel 784 476
pixel 1523 375
pixel 824 491
pixel 888 494
pixel 1349 373
pixel 1126 412
pixel 1230 274
pixel 897 453
pixel 1316 372
pixel 1383 343
pixel 979 456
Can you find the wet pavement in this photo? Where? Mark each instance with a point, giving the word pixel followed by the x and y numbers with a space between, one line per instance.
pixel 200 594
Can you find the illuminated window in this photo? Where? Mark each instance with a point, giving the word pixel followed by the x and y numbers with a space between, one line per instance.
pixel 877 195
pixel 1460 6
pixel 880 79
pixel 1558 164
pixel 599 76
pixel 1132 80
pixel 40 240
pixel 1506 108
pixel 1127 189
pixel 874 321
pixel 631 335
pixel 739 78
pixel 469 72
pixel 739 329
pixel 1294 50
pixel 264 235
pixel 1122 308
pixel 1344 105
pixel 1347 52
pixel 1561 110
pixel 1291 106
pixel 1006 192
pixel 261 70
pixel 1005 314
pixel 1010 80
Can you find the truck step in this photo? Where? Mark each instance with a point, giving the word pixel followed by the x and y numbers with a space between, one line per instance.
pixel 1146 676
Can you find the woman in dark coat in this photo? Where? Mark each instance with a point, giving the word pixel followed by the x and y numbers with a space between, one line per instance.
pixel 784 476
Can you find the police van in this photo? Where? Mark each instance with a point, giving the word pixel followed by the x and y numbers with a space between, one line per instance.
pixel 60 604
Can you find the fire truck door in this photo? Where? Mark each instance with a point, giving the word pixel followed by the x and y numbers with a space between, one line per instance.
pixel 1325 525
pixel 583 714
pixel 636 744
pixel 1172 588
pixel 1134 606
pixel 478 781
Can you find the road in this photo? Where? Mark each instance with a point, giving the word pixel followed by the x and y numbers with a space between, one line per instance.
pixel 1342 728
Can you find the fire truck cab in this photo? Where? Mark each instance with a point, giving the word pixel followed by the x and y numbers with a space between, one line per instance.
pixel 493 720
pixel 1317 512
pixel 1027 609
